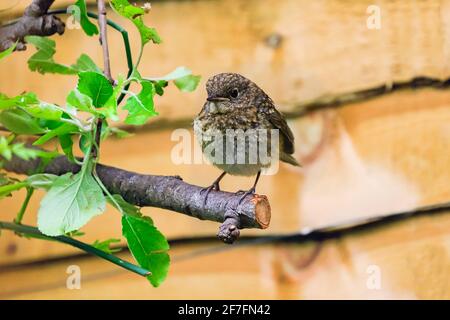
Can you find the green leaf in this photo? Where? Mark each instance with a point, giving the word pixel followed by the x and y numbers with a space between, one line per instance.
pixel 105 245
pixel 23 152
pixel 18 121
pixel 85 63
pixel 42 61
pixel 45 110
pixel 8 51
pixel 179 72
pixel 120 133
pixel 133 13
pixel 187 83
pixel 41 180
pixel 110 107
pixel 89 28
pixel 95 86
pixel 66 142
pixel 70 203
pixel 182 77
pixel 5 150
pixel 65 128
pixel 148 246
pixel 22 100
pixel 159 86
pixel 141 107
pixel 32 105
pixel 125 207
pixel 80 101
pixel 85 142
pixel 7 189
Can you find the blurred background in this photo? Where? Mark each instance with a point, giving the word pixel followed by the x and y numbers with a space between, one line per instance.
pixel 370 109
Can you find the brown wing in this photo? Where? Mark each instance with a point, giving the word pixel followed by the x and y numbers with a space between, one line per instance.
pixel 287 138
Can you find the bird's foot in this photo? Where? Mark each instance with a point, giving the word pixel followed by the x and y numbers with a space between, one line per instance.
pixel 245 194
pixel 207 190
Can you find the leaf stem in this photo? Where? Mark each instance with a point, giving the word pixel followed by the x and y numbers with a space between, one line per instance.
pixel 32 231
pixel 141 51
pixel 5 190
pixel 24 206
pixel 105 190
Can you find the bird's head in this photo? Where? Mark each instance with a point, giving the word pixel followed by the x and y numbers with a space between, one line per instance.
pixel 228 91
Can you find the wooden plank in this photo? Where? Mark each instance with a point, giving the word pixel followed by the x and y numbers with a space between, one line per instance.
pixel 364 159
pixel 409 257
pixel 325 48
pixel 361 160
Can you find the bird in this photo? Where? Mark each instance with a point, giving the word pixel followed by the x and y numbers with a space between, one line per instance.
pixel 236 103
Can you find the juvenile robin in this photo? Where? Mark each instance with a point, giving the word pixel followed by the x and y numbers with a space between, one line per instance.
pixel 235 103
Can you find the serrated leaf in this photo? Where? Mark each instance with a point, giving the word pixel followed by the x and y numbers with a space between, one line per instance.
pixel 133 13
pixel 148 246
pixel 70 203
pixel 18 121
pixel 42 61
pixel 95 86
pixel 85 63
pixel 141 107
pixel 8 51
pixel 187 83
pixel 88 27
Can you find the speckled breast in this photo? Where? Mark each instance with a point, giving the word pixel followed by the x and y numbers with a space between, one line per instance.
pixel 238 143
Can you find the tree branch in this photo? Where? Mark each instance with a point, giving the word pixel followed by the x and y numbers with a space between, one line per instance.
pixel 35 21
pixel 170 193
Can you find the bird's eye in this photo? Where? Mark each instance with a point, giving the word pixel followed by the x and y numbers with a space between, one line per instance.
pixel 234 93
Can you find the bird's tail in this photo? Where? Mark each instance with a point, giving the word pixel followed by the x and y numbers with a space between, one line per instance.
pixel 289 159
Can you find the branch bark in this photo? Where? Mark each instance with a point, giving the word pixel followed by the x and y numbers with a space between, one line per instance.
pixel 168 192
pixel 35 21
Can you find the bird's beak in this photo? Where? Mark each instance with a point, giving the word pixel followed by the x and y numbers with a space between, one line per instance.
pixel 217 99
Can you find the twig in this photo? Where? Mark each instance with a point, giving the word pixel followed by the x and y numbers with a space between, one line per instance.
pixel 104 39
pixel 24 206
pixel 102 23
pixel 35 21
pixel 28 230
pixel 168 192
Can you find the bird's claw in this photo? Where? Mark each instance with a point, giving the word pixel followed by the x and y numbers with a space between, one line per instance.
pixel 207 190
pixel 245 194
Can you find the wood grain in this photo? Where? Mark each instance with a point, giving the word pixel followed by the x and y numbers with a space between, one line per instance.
pixel 324 48
pixel 411 258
